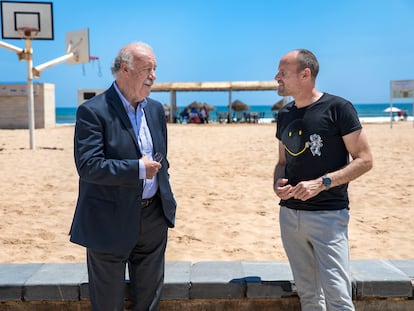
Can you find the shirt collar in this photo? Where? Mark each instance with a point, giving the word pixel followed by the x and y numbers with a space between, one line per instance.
pixel 126 103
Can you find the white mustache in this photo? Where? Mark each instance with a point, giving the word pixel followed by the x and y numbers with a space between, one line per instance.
pixel 148 82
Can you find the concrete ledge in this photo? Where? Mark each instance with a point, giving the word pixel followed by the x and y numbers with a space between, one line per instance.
pixel 377 285
pixel 268 280
pixel 177 282
pixel 13 277
pixel 379 278
pixel 217 280
pixel 55 282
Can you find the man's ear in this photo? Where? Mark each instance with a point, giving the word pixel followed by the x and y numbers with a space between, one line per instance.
pixel 306 73
pixel 124 67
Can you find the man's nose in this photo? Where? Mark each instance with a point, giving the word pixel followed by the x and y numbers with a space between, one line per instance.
pixel 277 76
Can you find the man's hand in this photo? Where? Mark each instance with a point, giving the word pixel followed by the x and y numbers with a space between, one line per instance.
pixel 307 189
pixel 151 167
pixel 282 189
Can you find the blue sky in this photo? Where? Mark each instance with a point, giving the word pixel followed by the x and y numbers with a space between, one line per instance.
pixel 361 44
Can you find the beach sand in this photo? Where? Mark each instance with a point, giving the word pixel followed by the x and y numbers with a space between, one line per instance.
pixel 222 179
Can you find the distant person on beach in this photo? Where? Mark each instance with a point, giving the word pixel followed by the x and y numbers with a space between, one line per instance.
pixel 125 202
pixel 185 115
pixel 317 132
pixel 194 117
pixel 203 114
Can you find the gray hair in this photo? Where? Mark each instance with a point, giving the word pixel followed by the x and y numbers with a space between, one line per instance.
pixel 126 56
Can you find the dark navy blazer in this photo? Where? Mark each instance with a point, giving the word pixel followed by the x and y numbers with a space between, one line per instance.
pixel 108 209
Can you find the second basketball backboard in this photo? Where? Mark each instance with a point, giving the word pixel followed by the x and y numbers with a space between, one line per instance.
pixel 27 20
pixel 77 42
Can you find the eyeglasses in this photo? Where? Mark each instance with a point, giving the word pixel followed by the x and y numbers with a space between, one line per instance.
pixel 158 156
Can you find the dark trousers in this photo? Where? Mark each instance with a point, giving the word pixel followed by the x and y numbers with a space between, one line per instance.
pixel 145 266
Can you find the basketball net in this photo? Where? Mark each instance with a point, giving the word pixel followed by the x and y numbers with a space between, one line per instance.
pixel 28 32
pixel 93 59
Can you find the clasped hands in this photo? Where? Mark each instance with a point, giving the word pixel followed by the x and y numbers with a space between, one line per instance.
pixel 303 191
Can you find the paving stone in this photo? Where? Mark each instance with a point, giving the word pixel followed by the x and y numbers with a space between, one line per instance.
pixel 208 280
pixel 406 266
pixel 379 278
pixel 217 280
pixel 55 282
pixel 268 279
pixel 177 281
pixel 12 279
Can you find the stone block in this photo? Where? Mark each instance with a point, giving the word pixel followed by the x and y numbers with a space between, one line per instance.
pixel 268 280
pixel 177 281
pixel 406 266
pixel 217 280
pixel 12 279
pixel 55 282
pixel 379 278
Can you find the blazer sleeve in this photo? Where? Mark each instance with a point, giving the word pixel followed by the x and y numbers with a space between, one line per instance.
pixel 103 147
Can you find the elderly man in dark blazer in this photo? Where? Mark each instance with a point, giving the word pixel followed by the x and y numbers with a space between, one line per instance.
pixel 125 204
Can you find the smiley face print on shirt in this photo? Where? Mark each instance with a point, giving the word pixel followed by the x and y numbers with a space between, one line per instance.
pixel 296 140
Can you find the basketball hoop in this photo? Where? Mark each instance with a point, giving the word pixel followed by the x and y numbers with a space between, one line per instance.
pixel 93 59
pixel 27 20
pixel 28 32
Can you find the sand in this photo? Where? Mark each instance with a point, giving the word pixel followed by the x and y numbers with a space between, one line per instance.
pixel 222 179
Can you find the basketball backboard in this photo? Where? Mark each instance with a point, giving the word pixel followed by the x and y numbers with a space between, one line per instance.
pixel 27 20
pixel 78 43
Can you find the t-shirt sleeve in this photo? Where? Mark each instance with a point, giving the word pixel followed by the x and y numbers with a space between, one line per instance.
pixel 348 120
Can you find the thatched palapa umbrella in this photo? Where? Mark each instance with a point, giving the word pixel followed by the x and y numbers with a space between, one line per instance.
pixel 199 105
pixel 238 105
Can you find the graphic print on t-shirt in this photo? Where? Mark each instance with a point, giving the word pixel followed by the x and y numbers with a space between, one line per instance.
pixel 296 140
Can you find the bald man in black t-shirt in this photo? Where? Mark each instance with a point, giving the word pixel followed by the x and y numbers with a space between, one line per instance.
pixel 317 133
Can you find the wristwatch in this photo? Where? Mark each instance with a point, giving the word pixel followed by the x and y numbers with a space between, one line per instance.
pixel 326 181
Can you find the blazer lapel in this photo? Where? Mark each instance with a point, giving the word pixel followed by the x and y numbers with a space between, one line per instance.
pixel 117 105
pixel 151 122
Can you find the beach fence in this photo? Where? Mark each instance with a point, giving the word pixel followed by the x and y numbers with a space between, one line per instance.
pixel 14 113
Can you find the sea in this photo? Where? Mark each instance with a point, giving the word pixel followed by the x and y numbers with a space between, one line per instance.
pixel 373 112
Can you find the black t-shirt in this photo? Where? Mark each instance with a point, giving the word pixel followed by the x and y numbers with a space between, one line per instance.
pixel 312 137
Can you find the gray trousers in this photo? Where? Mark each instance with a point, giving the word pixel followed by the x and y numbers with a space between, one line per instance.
pixel 146 263
pixel 316 244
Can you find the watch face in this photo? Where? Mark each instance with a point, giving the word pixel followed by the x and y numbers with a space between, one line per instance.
pixel 326 181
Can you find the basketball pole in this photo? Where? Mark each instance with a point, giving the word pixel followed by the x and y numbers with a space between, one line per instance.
pixel 77 51
pixel 30 96
pixel 34 72
pixel 27 55
pixel 22 20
